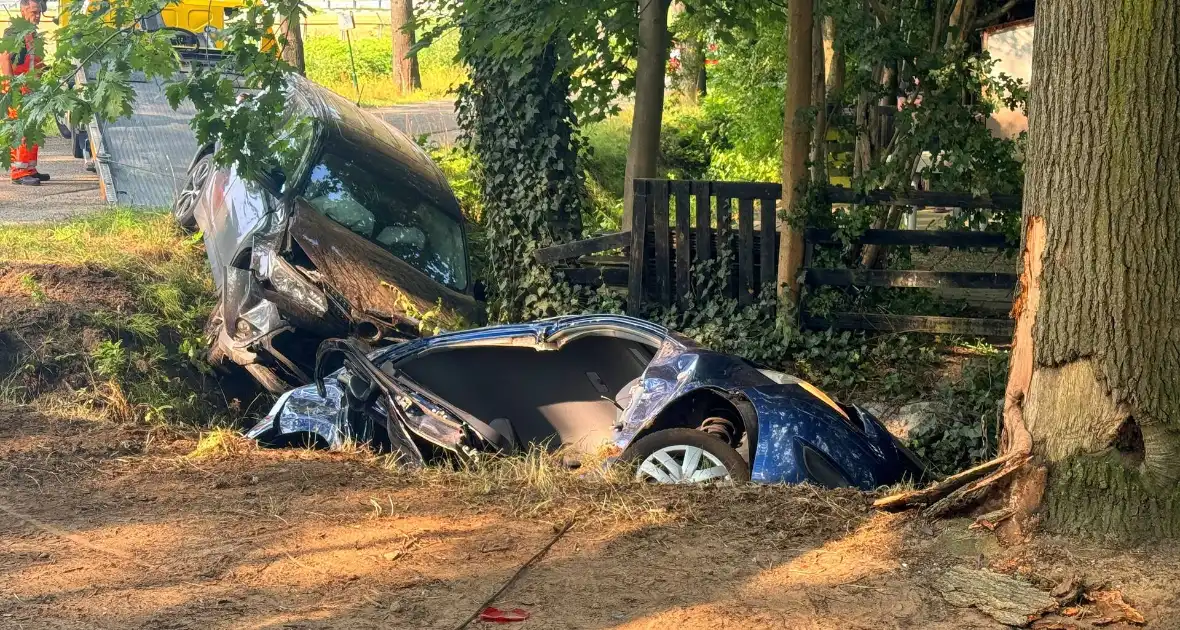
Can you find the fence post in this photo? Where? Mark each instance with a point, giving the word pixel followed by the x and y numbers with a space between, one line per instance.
pixel 638 254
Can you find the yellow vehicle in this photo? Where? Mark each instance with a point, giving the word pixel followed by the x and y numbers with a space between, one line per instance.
pixel 195 23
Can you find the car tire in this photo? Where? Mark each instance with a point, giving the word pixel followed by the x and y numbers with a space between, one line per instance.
pixel 185 205
pixel 660 457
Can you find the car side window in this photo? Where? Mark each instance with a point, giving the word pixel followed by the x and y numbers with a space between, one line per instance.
pixel 353 192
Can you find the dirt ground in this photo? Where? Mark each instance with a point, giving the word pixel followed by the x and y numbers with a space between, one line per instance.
pixel 113 526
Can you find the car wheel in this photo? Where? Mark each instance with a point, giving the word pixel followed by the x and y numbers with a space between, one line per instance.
pixel 685 456
pixel 186 202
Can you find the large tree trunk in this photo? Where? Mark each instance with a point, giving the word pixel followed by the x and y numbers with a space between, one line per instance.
pixel 1094 391
pixel 405 65
pixel 292 51
pixel 650 70
pixel 796 141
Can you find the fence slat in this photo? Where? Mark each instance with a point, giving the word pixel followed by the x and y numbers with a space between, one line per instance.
pixel 683 244
pixel 747 190
pixel 913 323
pixel 725 237
pixel 638 255
pixel 913 279
pixel 595 276
pixel 584 247
pixel 943 238
pixel 923 199
pixel 745 251
pixel 658 202
pixel 704 221
pixel 768 249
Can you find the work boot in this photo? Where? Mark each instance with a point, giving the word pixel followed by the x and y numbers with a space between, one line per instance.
pixel 42 176
pixel 28 180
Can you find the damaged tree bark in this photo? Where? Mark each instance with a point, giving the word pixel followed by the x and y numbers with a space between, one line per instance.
pixel 1093 396
pixel 1093 390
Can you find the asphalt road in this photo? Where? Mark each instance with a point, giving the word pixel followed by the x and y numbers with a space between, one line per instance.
pixel 72 190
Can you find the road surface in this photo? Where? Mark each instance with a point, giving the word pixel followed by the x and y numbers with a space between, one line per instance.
pixel 72 190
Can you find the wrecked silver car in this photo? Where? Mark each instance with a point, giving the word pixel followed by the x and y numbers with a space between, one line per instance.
pixel 352 231
pixel 675 411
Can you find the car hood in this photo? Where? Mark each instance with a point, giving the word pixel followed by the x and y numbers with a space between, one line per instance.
pixel 372 284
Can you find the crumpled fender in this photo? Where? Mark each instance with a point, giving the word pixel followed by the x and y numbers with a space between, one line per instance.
pixel 789 419
pixel 303 411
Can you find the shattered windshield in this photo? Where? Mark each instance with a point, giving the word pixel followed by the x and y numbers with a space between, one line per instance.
pixel 361 191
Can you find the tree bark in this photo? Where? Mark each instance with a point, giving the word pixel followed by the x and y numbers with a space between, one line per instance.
pixel 819 98
pixel 796 143
pixel 1093 391
pixel 650 70
pixel 292 51
pixel 405 65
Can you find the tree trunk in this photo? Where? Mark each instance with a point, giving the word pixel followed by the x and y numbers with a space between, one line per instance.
pixel 819 101
pixel 796 141
pixel 650 70
pixel 1093 391
pixel 292 51
pixel 405 65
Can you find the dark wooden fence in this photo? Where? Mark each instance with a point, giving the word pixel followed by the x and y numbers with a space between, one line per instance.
pixel 678 224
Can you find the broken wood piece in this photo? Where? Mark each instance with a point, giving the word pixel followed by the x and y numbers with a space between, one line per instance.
pixel 1068 591
pixel 936 491
pixel 970 494
pixel 991 519
pixel 1007 599
pixel 1112 609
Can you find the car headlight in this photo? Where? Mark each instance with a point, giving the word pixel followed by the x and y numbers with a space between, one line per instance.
pixel 787 379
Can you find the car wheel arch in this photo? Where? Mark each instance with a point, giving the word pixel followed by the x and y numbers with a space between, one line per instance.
pixel 693 407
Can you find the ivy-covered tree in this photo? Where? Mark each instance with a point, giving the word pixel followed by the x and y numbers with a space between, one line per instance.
pixel 536 70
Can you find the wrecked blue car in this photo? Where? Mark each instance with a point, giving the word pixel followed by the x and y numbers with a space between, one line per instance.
pixel 675 412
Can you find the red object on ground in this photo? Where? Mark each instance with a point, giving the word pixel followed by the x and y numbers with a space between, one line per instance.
pixel 495 615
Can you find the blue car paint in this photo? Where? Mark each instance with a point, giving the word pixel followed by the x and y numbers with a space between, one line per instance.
pixel 787 417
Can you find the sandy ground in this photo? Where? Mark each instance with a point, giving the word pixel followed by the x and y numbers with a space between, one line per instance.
pixel 111 526
pixel 71 192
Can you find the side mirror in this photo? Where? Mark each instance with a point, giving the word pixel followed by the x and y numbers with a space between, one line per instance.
pixel 479 291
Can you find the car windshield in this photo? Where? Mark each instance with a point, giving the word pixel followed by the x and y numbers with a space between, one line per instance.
pixel 364 191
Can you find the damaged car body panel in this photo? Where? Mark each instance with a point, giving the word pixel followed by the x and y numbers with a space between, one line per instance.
pixel 586 383
pixel 353 231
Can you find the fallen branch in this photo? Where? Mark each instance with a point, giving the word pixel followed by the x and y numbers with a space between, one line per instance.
pixel 970 494
pixel 933 493
pixel 531 561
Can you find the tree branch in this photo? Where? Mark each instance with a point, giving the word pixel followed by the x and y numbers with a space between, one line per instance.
pixel 879 11
pixel 994 16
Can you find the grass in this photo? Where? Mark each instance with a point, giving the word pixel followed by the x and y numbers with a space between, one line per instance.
pixel 130 362
pixel 329 64
pixel 221 442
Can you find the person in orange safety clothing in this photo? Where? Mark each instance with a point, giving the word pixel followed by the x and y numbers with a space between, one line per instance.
pixel 24 158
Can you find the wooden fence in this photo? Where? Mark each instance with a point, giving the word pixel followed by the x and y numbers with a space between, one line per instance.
pixel 678 224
